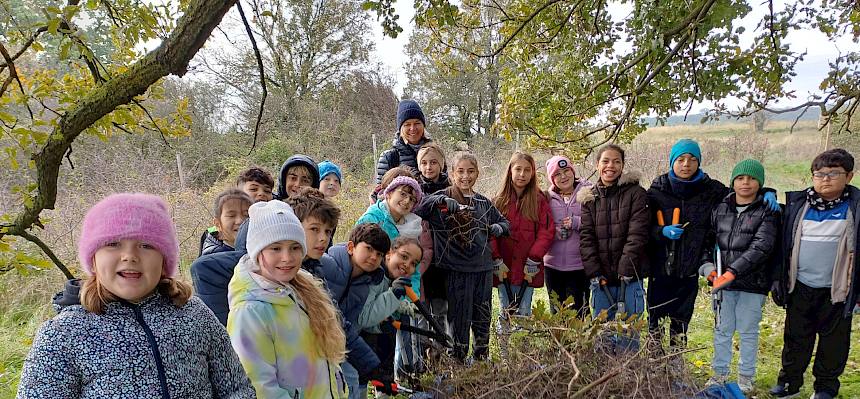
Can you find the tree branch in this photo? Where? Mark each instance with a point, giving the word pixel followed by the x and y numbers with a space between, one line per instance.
pixel 262 74
pixel 44 247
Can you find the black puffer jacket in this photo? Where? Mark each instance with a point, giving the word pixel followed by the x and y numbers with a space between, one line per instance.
pixel 431 187
pixel 748 243
pixel 696 210
pixel 400 153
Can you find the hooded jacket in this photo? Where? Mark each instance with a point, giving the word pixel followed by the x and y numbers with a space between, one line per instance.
pixel 696 210
pixel 564 254
pixel 296 160
pixel 411 225
pixel 431 187
pixel 400 153
pixel 212 244
pixel 614 229
pixel 152 349
pixel 211 274
pixel 528 240
pixel 271 333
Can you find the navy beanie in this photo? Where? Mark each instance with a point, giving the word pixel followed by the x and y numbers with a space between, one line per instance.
pixel 408 109
pixel 685 146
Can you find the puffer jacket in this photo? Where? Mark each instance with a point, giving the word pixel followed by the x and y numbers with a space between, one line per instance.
pixel 213 245
pixel 152 349
pixel 411 226
pixel 564 254
pixel 270 331
pixel 696 210
pixel 747 242
pixel 431 187
pixel 614 229
pixel 212 273
pixel 400 153
pixel 528 240
pixel 296 160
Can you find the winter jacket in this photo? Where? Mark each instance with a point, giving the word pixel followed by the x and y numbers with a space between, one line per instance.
pixel 411 226
pixel 614 229
pixel 212 273
pixel 350 293
pixel 296 160
pixel 400 153
pixel 696 209
pixel 213 245
pixel 448 252
pixel 528 240
pixel 381 303
pixel 431 187
pixel 271 333
pixel 564 253
pixel 152 349
pixel 847 272
pixel 748 243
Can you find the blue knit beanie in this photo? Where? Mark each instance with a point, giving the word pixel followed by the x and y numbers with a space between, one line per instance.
pixel 685 146
pixel 326 168
pixel 409 109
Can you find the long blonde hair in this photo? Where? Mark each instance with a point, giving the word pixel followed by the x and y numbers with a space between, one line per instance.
pixel 529 202
pixel 94 295
pixel 324 318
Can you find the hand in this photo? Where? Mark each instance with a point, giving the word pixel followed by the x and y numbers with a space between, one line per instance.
pixel 673 232
pixel 451 205
pixel 385 386
pixel 496 230
pixel 707 269
pixel 387 327
pixel 531 269
pixel 598 280
pixel 407 308
pixel 398 287
pixel 724 280
pixel 777 293
pixel 567 222
pixel 771 201
pixel 500 269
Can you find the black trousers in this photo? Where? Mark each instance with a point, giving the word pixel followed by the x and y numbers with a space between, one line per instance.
pixel 383 345
pixel 673 298
pixel 435 287
pixel 568 284
pixel 472 295
pixel 810 314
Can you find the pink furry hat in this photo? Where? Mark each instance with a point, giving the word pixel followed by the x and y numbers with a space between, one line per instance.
pixel 406 181
pixel 136 216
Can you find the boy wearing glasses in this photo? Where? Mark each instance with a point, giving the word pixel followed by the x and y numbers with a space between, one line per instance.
pixel 819 275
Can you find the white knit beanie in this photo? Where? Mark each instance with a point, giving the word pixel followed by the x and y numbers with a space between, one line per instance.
pixel 270 222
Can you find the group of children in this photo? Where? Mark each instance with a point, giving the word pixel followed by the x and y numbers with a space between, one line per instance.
pixel 306 317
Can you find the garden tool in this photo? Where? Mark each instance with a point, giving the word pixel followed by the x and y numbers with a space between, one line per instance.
pixel 718 295
pixel 391 388
pixel 670 259
pixel 410 293
pixel 622 295
pixel 420 331
pixel 608 294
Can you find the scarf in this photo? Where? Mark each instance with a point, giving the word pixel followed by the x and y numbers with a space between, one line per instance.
pixel 816 202
pixel 686 188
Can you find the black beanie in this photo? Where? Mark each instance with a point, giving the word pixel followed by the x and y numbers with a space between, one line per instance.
pixel 408 109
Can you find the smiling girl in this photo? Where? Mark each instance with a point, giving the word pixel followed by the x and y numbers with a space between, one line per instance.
pixel 136 329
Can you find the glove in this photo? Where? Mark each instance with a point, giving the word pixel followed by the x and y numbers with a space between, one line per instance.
pixel 531 269
pixel 398 287
pixel 724 280
pixel 387 327
pixel 452 205
pixel 385 386
pixel 771 201
pixel 500 269
pixel 777 294
pixel 407 308
pixel 673 232
pixel 496 230
pixel 598 280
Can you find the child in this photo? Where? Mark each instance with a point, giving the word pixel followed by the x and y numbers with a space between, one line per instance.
pixel 612 237
pixel 136 329
pixel 330 178
pixel 431 165
pixel 386 180
pixel 297 172
pixel 212 273
pixel 257 183
pixel 520 255
pixel 357 270
pixel 282 322
pixel 433 178
pixel 319 217
pixel 231 209
pixel 819 275
pixel 565 276
pixel 746 232
pixel 461 223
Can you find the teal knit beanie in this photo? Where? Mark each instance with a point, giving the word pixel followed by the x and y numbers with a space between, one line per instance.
pixel 749 167
pixel 685 146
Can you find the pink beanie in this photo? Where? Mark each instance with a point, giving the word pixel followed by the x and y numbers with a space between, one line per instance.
pixel 134 216
pixel 555 163
pixel 406 181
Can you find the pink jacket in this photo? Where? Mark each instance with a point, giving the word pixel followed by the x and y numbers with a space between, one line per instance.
pixel 564 255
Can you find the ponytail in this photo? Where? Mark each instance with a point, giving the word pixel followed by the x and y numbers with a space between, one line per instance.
pixel 323 316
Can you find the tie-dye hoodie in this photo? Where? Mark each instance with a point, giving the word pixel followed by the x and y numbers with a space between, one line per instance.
pixel 271 333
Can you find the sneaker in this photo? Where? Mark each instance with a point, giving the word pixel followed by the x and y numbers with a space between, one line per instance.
pixel 821 395
pixel 717 379
pixel 785 391
pixel 745 383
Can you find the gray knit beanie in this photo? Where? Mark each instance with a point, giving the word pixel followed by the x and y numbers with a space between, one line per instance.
pixel 270 222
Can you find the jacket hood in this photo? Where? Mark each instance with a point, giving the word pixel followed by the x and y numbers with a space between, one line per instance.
pixel 626 179
pixel 244 287
pixel 242 237
pixel 69 296
pixel 298 159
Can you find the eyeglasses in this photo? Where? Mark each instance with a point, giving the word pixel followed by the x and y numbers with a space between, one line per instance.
pixel 830 175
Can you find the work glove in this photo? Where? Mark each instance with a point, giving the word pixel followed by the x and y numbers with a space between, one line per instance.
pixel 387 327
pixel 531 269
pixel 708 271
pixel 673 232
pixel 724 280
pixel 598 280
pixel 398 287
pixel 496 230
pixel 451 205
pixel 771 201
pixel 407 308
pixel 777 293
pixel 500 269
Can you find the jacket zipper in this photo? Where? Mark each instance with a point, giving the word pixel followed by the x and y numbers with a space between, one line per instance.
pixel 159 365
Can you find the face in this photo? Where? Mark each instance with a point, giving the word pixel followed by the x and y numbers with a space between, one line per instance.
pixel 317 235
pixel 258 192
pixel 400 202
pixel 609 166
pixel 403 261
pixel 564 179
pixel 129 269
pixel 330 186
pixel 745 186
pixel 363 256
pixel 233 213
pixel 430 165
pixel 412 131
pixel 685 166
pixel 465 175
pixel 296 179
pixel 280 261
pixel 521 174
pixel 830 182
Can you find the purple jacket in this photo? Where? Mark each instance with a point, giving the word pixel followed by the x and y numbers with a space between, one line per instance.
pixel 564 255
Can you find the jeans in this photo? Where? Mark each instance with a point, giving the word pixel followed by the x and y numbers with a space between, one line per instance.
pixel 525 308
pixel 740 311
pixel 634 303
pixel 350 374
